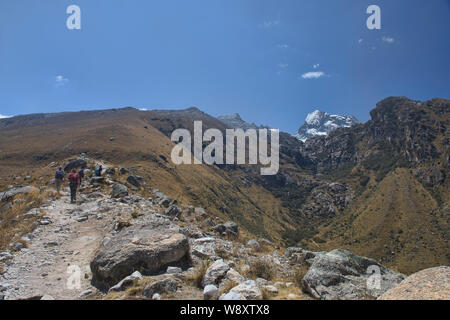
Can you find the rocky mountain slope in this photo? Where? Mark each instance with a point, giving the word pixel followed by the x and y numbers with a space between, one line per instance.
pixel 379 189
pixel 398 165
pixel 127 240
pixel 319 123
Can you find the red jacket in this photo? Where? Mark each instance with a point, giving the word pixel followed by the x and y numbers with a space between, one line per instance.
pixel 73 178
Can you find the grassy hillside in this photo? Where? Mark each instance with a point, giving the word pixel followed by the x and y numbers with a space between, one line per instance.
pixel 126 137
pixel 396 221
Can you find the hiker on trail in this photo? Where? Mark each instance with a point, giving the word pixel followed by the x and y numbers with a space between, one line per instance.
pixel 73 183
pixel 59 178
pixel 80 176
pixel 98 172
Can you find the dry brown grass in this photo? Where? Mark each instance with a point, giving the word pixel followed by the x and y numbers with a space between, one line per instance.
pixel 198 275
pixel 227 286
pixel 299 273
pixel 261 269
pixel 14 224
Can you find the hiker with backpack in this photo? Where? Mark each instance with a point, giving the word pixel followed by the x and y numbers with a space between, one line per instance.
pixel 73 184
pixel 59 178
pixel 80 176
pixel 98 172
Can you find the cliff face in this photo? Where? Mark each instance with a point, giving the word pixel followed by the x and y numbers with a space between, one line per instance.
pixel 398 165
pixel 415 131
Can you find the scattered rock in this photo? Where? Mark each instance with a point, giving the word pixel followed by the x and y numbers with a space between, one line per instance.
pixel 230 228
pixel 119 190
pixel 231 296
pixel 248 289
pixel 126 282
pixel 45 222
pixel 216 272
pixel 174 270
pixel 210 292
pixel 272 290
pixel 254 244
pixel 18 246
pixel 173 211
pixel 134 181
pixel 5 255
pixel 167 285
pixel 156 296
pixel 234 276
pixel 97 180
pixel 47 297
pixel 36 212
pixel 86 293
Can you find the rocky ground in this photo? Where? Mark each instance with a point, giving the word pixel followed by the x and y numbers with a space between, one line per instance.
pixel 115 243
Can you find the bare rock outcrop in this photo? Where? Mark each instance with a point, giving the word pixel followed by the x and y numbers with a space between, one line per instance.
pixel 428 284
pixel 342 275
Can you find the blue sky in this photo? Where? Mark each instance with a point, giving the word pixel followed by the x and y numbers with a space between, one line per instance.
pixel 227 56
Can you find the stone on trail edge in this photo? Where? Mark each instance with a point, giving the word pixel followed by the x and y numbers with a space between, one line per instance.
pixel 148 247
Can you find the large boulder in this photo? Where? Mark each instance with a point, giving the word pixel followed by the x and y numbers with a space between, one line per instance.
pixel 149 247
pixel 342 275
pixel 119 190
pixel 75 164
pixel 428 284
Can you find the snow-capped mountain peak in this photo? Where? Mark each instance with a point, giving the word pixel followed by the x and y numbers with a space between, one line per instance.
pixel 319 123
pixel 314 117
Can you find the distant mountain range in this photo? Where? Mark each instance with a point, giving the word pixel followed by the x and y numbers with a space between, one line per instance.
pixel 235 121
pixel 319 123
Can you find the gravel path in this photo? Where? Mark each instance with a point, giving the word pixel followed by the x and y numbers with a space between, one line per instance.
pixel 59 253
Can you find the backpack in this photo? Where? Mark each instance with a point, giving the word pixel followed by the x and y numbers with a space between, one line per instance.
pixel 97 172
pixel 59 175
pixel 81 173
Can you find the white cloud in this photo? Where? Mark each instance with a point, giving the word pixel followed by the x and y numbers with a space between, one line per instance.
pixel 283 46
pixel 316 66
pixel 270 23
pixel 4 117
pixel 143 109
pixel 61 81
pixel 283 65
pixel 360 40
pixel 388 39
pixel 313 75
